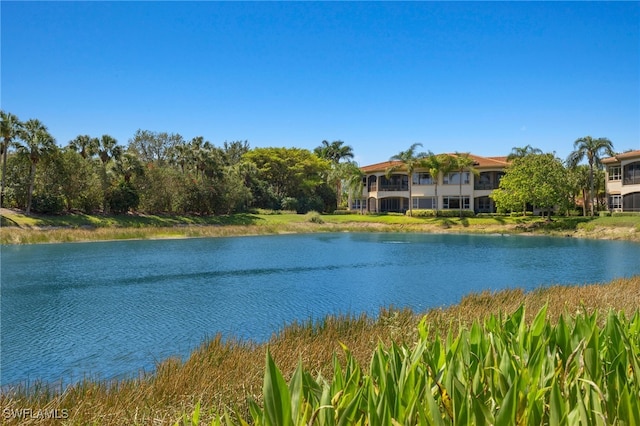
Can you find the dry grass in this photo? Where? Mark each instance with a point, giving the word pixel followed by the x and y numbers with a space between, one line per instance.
pixel 222 374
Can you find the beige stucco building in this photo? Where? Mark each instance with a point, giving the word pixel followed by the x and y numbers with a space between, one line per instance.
pixel 623 181
pixel 381 194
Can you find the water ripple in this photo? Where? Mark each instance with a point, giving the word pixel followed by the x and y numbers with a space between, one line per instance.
pixel 111 309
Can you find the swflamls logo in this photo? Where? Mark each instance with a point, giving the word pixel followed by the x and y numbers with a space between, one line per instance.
pixel 30 414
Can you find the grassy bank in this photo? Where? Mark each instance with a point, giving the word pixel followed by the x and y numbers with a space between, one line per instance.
pixel 223 374
pixel 20 229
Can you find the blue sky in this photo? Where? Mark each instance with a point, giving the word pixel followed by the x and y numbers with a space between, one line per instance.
pixel 454 76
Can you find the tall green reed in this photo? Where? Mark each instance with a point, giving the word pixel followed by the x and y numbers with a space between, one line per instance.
pixel 500 372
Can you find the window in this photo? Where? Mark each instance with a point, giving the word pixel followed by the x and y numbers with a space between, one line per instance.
pixel 453 202
pixel 394 183
pixel 424 203
pixel 454 178
pixel 631 202
pixel 483 205
pixel 422 179
pixel 357 204
pixel 615 202
pixel 615 173
pixel 631 174
pixel 392 205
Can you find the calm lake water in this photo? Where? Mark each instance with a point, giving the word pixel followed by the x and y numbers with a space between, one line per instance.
pixel 111 309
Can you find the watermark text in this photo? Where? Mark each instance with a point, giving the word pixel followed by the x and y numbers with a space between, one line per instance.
pixel 35 414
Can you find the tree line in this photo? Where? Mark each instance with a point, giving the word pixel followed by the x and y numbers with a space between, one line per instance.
pixel 160 172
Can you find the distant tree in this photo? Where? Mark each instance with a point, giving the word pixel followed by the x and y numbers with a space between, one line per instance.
pixel 519 152
pixel 537 179
pixel 10 128
pixel 85 145
pixel 180 155
pixel 108 149
pixel 592 149
pixel 335 152
pixel 37 143
pixel 438 164
pixel 233 151
pixel 128 165
pixel 236 196
pixel 462 162
pixel 122 198
pixel 153 147
pixel 289 172
pixel 578 179
pixel 353 178
pixel 409 161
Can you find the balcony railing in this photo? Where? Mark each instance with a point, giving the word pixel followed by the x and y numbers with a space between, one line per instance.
pixel 374 187
pixel 481 186
pixel 394 187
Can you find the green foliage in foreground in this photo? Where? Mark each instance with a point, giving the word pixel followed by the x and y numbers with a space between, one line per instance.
pixel 502 373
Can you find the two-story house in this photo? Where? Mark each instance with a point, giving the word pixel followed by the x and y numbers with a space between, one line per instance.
pixel 391 194
pixel 623 181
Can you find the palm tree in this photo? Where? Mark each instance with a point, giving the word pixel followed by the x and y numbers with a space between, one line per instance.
pixel 350 176
pixel 579 180
pixel 335 152
pixel 108 149
pixel 410 161
pixel 127 165
pixel 85 145
pixel 437 164
pixel 517 152
pixel 37 143
pixel 461 163
pixel 10 127
pixel 592 149
pixel 180 155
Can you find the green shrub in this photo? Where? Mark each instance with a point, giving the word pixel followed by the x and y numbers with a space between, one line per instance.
pixel 289 203
pixel 345 212
pixel 456 213
pixel 423 213
pixel 622 214
pixel 122 198
pixel 520 214
pixel 314 217
pixel 47 204
pixel 604 214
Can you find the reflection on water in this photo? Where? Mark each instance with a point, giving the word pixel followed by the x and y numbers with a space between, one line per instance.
pixel 111 309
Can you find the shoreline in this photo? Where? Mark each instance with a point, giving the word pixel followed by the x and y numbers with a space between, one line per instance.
pixel 21 229
pixel 10 235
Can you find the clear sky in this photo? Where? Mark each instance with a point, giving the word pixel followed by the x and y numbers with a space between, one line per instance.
pixel 454 76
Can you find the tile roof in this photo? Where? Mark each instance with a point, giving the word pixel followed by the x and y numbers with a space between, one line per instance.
pixel 481 163
pixel 621 156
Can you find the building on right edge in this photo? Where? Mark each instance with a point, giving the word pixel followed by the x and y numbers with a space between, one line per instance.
pixel 623 181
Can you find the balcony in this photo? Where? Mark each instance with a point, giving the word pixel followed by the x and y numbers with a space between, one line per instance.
pixel 479 186
pixel 401 187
